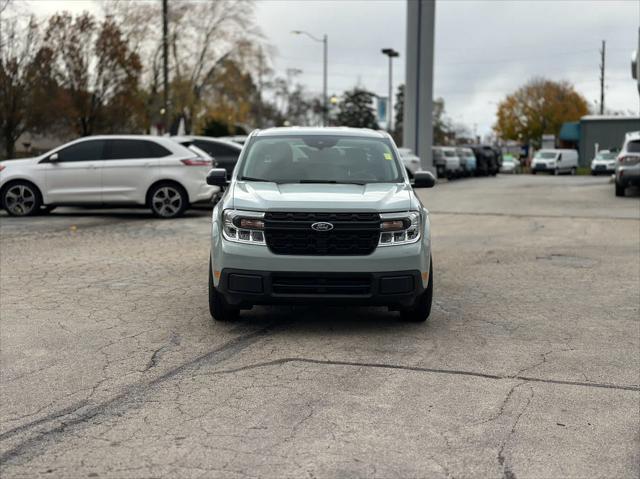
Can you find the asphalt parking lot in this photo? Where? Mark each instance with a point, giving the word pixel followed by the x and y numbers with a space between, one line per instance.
pixel 528 367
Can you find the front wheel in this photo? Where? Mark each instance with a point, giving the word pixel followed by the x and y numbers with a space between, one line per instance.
pixel 421 310
pixel 574 171
pixel 168 200
pixel 619 189
pixel 21 199
pixel 556 172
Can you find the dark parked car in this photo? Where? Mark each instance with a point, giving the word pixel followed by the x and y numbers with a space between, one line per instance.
pixel 224 152
pixel 488 159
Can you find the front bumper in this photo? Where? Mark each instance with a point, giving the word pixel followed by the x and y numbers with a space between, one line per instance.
pixel 247 287
pixel 542 167
pixel 601 168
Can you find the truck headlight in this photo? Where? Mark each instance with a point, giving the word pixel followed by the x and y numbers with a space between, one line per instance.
pixel 399 228
pixel 243 226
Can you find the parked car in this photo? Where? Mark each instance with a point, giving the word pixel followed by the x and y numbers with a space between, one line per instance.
pixel 446 162
pixel 410 161
pixel 239 139
pixel 468 160
pixel 439 162
pixel 454 162
pixel 555 161
pixel 628 165
pixel 488 159
pixel 604 163
pixel 224 152
pixel 320 215
pixel 115 170
pixel 509 164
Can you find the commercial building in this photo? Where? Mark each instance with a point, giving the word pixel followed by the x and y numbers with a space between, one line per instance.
pixel 593 133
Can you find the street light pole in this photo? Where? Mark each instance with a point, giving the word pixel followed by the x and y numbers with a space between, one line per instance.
pixel 325 105
pixel 325 47
pixel 391 53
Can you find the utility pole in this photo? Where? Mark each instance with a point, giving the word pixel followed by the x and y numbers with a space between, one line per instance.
pixel 602 57
pixel 165 66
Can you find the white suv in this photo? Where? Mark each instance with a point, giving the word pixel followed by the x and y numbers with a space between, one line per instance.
pixel 131 170
pixel 628 167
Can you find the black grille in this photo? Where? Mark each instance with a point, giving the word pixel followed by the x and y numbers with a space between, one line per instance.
pixel 354 234
pixel 356 285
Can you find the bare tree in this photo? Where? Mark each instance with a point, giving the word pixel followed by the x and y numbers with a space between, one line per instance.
pixel 202 35
pixel 23 74
pixel 95 67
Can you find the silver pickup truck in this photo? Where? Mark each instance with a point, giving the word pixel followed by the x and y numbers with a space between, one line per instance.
pixel 324 215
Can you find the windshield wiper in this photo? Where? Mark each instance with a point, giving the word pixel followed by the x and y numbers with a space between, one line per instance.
pixel 248 178
pixel 334 182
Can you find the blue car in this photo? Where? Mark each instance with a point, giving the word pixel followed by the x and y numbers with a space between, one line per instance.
pixel 467 161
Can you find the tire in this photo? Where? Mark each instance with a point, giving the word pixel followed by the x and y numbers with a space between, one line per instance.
pixel 533 172
pixel 619 189
pixel 574 171
pixel 556 172
pixel 21 198
pixel 46 209
pixel 218 307
pixel 421 310
pixel 167 200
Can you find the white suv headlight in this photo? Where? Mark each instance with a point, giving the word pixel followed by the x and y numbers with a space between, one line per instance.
pixel 243 226
pixel 400 228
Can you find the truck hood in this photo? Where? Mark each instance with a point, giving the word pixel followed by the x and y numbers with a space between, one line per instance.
pixel 373 197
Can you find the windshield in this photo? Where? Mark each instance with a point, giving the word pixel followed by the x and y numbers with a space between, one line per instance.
pixel 320 159
pixel 546 155
pixel 606 156
pixel 449 153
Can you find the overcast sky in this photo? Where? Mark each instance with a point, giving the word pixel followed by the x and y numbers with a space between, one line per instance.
pixel 483 49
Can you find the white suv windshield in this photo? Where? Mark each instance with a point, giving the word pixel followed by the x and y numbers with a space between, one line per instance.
pixel 320 159
pixel 546 155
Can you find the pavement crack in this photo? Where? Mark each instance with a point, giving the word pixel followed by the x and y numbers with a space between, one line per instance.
pixel 129 398
pixel 174 340
pixel 506 469
pixel 281 361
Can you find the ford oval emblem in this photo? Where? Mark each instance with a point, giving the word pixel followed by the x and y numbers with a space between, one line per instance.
pixel 322 226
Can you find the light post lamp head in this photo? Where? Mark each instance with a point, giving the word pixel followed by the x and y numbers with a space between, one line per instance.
pixel 390 52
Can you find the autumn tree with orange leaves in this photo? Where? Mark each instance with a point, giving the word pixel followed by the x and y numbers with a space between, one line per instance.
pixel 539 107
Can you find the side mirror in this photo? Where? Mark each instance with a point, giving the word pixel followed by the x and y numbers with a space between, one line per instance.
pixel 53 158
pixel 424 179
pixel 217 177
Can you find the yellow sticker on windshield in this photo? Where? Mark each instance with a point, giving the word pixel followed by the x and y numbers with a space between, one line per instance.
pixel 387 156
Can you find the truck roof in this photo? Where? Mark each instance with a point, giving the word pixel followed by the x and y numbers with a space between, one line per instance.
pixel 321 131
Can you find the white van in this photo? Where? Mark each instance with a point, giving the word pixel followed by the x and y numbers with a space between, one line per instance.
pixel 555 161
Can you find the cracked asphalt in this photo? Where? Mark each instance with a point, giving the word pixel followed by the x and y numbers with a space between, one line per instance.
pixel 529 366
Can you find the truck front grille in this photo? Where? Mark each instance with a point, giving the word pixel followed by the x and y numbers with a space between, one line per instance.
pixel 321 284
pixel 353 234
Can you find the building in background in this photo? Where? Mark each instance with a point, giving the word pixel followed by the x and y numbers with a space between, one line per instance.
pixel 593 133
